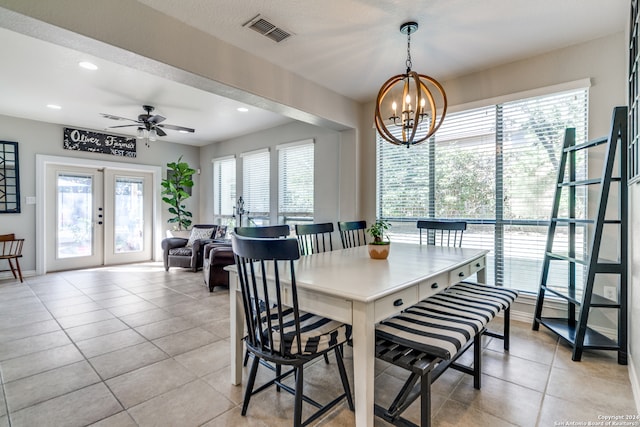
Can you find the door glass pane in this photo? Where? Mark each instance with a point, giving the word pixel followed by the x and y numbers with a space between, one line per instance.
pixel 75 216
pixel 128 219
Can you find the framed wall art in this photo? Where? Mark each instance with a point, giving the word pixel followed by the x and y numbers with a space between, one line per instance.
pixel 9 178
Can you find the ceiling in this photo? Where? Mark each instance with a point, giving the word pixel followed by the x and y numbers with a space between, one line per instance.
pixel 349 46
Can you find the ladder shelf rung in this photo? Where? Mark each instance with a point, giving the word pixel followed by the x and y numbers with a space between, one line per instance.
pixel 612 221
pixel 566 330
pixel 602 302
pixel 583 221
pixel 588 144
pixel 581 182
pixel 573 220
pixel 565 296
pixel 565 257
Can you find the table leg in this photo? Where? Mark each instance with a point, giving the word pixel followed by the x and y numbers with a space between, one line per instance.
pixel 481 275
pixel 237 329
pixel 363 362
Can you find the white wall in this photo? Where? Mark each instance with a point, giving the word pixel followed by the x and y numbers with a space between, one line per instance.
pixel 43 138
pixel 326 168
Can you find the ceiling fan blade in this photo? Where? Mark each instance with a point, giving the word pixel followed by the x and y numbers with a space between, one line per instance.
pixel 112 117
pixel 159 131
pixel 156 119
pixel 180 128
pixel 122 126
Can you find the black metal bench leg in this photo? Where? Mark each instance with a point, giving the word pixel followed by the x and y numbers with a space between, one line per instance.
pixel 425 400
pixel 297 410
pixel 507 329
pixel 477 361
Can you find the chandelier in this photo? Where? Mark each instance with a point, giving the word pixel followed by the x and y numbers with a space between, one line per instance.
pixel 418 96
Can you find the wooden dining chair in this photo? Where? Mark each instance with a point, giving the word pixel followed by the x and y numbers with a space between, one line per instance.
pixel 280 333
pixel 449 233
pixel 11 250
pixel 314 238
pixel 352 233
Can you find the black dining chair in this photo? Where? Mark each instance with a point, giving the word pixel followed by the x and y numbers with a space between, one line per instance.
pixel 443 233
pixel 352 233
pixel 269 231
pixel 264 232
pixel 279 332
pixel 314 238
pixel 449 233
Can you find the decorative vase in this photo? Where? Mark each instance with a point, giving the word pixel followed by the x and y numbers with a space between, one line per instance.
pixel 379 251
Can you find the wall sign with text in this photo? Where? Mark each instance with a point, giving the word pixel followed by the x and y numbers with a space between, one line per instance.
pixel 96 142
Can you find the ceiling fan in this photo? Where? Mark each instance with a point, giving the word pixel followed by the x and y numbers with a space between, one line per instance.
pixel 147 123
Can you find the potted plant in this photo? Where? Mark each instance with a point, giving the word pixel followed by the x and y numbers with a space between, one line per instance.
pixel 379 248
pixel 175 190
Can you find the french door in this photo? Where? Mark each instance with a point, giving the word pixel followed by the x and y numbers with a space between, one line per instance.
pixel 97 217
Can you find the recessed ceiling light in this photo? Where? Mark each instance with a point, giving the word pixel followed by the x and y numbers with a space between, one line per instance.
pixel 88 65
pixel 243 109
pixel 54 106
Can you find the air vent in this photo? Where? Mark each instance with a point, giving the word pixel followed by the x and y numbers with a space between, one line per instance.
pixel 267 29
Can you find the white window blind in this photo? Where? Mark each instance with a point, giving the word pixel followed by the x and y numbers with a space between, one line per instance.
pixel 224 190
pixel 295 183
pixel 494 167
pixel 532 138
pixel 256 187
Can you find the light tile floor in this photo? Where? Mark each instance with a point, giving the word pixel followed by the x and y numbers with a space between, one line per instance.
pixel 134 345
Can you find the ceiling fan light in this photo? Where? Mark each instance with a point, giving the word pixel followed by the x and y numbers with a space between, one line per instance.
pixel 140 133
pixel 153 135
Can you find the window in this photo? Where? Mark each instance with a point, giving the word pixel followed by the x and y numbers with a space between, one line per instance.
pixel 255 187
pixel 224 191
pixel 494 167
pixel 295 183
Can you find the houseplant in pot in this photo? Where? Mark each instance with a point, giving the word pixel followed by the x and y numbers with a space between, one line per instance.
pixel 379 248
pixel 175 190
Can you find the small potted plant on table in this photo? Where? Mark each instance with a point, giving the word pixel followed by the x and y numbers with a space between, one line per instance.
pixel 379 248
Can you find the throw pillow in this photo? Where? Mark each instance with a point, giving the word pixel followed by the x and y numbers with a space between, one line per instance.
pixel 199 233
pixel 221 232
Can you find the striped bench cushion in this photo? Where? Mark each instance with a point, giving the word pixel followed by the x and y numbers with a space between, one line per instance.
pixel 316 333
pixel 440 325
pixel 495 296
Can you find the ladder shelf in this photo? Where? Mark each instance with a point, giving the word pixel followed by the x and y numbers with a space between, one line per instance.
pixel 575 328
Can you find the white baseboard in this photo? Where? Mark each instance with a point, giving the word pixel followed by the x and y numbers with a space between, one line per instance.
pixel 635 382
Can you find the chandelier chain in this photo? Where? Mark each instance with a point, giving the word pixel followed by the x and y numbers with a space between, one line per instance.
pixel 408 63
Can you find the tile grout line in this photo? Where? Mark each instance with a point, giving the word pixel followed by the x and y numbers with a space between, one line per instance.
pixel 546 385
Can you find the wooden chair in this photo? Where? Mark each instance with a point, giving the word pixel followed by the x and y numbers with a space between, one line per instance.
pixel 11 250
pixel 281 333
pixel 449 233
pixel 352 233
pixel 314 238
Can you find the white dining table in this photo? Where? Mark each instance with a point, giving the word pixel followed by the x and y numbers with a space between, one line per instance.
pixel 348 286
